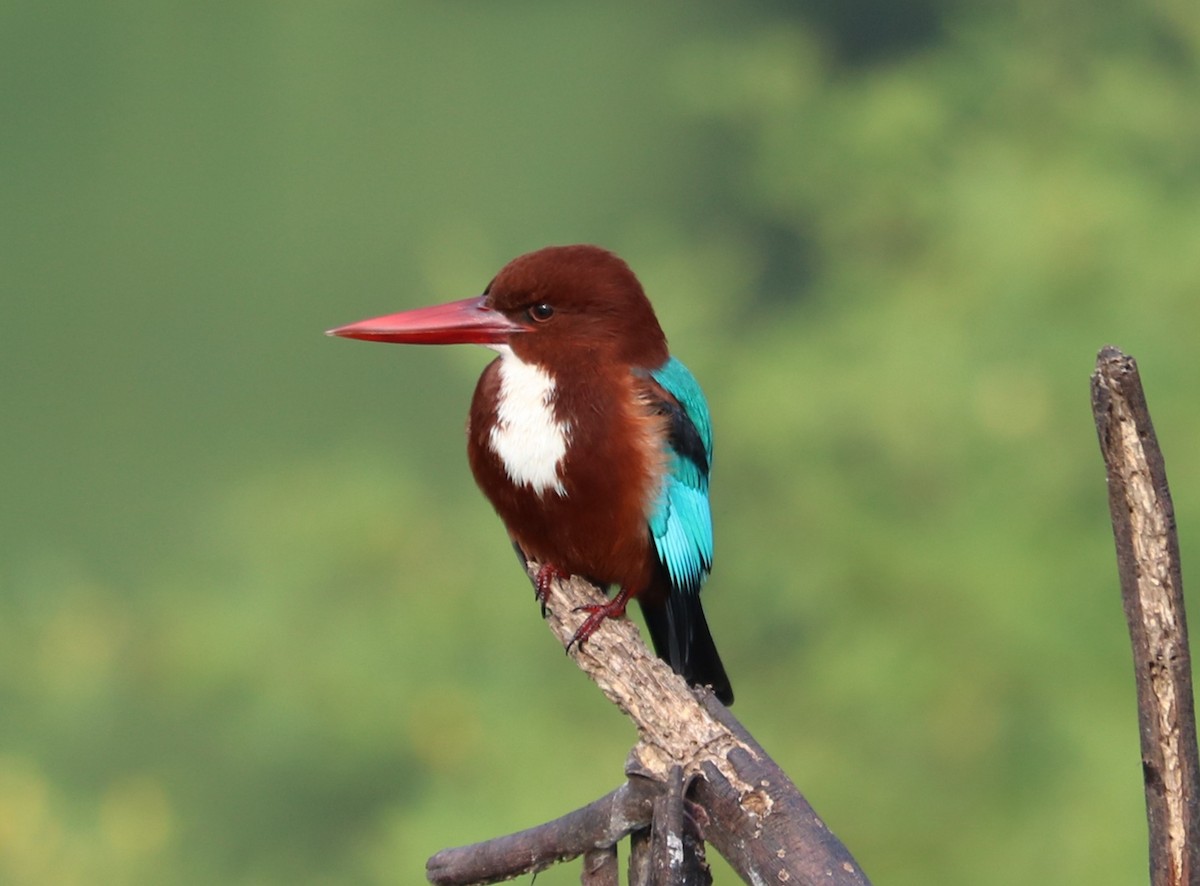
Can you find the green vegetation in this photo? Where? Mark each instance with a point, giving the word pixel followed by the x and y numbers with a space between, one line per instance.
pixel 258 627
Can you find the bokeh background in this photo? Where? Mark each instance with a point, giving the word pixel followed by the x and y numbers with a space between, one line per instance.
pixel 258 627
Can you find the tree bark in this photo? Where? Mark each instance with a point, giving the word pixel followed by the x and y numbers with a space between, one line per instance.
pixel 1143 521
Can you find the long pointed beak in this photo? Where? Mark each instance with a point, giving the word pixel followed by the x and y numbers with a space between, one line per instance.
pixel 469 321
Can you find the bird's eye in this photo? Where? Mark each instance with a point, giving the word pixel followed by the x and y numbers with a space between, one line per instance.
pixel 541 312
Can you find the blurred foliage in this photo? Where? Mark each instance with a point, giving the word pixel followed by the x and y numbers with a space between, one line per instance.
pixel 257 626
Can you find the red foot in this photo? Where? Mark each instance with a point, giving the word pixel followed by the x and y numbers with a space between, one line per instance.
pixel 614 608
pixel 547 573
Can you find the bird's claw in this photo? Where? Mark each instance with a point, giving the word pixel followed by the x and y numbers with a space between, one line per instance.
pixel 547 574
pixel 597 614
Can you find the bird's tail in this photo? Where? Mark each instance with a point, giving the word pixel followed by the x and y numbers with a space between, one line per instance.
pixel 681 638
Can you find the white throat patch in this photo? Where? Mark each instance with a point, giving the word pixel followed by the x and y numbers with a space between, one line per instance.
pixel 527 436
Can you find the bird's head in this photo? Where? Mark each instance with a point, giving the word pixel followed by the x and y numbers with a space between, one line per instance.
pixel 556 304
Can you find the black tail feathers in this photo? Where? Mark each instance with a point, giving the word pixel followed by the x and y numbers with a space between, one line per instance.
pixel 681 638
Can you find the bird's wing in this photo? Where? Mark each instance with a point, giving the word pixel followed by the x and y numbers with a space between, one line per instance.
pixel 680 521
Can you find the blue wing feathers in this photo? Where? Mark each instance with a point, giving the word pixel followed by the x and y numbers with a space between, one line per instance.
pixel 681 526
pixel 680 521
pixel 677 381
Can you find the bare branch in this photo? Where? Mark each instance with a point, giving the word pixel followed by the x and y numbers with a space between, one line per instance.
pixel 739 799
pixel 599 825
pixel 771 834
pixel 672 726
pixel 1143 521
pixel 758 819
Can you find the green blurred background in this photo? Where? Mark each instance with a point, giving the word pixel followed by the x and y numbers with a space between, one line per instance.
pixel 258 627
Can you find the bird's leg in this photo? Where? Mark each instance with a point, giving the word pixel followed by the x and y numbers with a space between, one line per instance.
pixel 547 573
pixel 597 613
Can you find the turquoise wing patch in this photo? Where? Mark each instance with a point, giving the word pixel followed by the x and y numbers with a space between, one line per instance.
pixel 680 521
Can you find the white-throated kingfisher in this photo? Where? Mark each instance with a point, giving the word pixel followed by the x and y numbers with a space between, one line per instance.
pixel 590 440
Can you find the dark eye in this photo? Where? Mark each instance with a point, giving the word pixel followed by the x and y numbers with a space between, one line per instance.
pixel 541 312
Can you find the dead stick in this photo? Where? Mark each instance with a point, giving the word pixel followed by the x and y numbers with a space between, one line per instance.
pixel 1152 591
pixel 598 825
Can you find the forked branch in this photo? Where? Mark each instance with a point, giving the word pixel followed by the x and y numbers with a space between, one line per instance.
pixel 690 746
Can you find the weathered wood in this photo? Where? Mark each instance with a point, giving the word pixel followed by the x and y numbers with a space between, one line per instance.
pixel 641 862
pixel 600 867
pixel 673 728
pixel 740 800
pixel 666 832
pixel 769 833
pixel 676 849
pixel 695 859
pixel 758 820
pixel 600 824
pixel 1143 520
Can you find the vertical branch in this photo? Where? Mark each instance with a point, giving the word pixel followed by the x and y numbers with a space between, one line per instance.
pixel 677 850
pixel 1152 591
pixel 600 867
pixel 641 862
pixel 666 834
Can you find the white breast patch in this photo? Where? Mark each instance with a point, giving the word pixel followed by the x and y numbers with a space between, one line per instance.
pixel 527 436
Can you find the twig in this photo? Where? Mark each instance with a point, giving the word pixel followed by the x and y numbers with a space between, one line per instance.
pixel 600 824
pixel 1143 521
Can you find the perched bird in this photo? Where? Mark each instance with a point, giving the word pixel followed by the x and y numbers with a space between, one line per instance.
pixel 590 440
